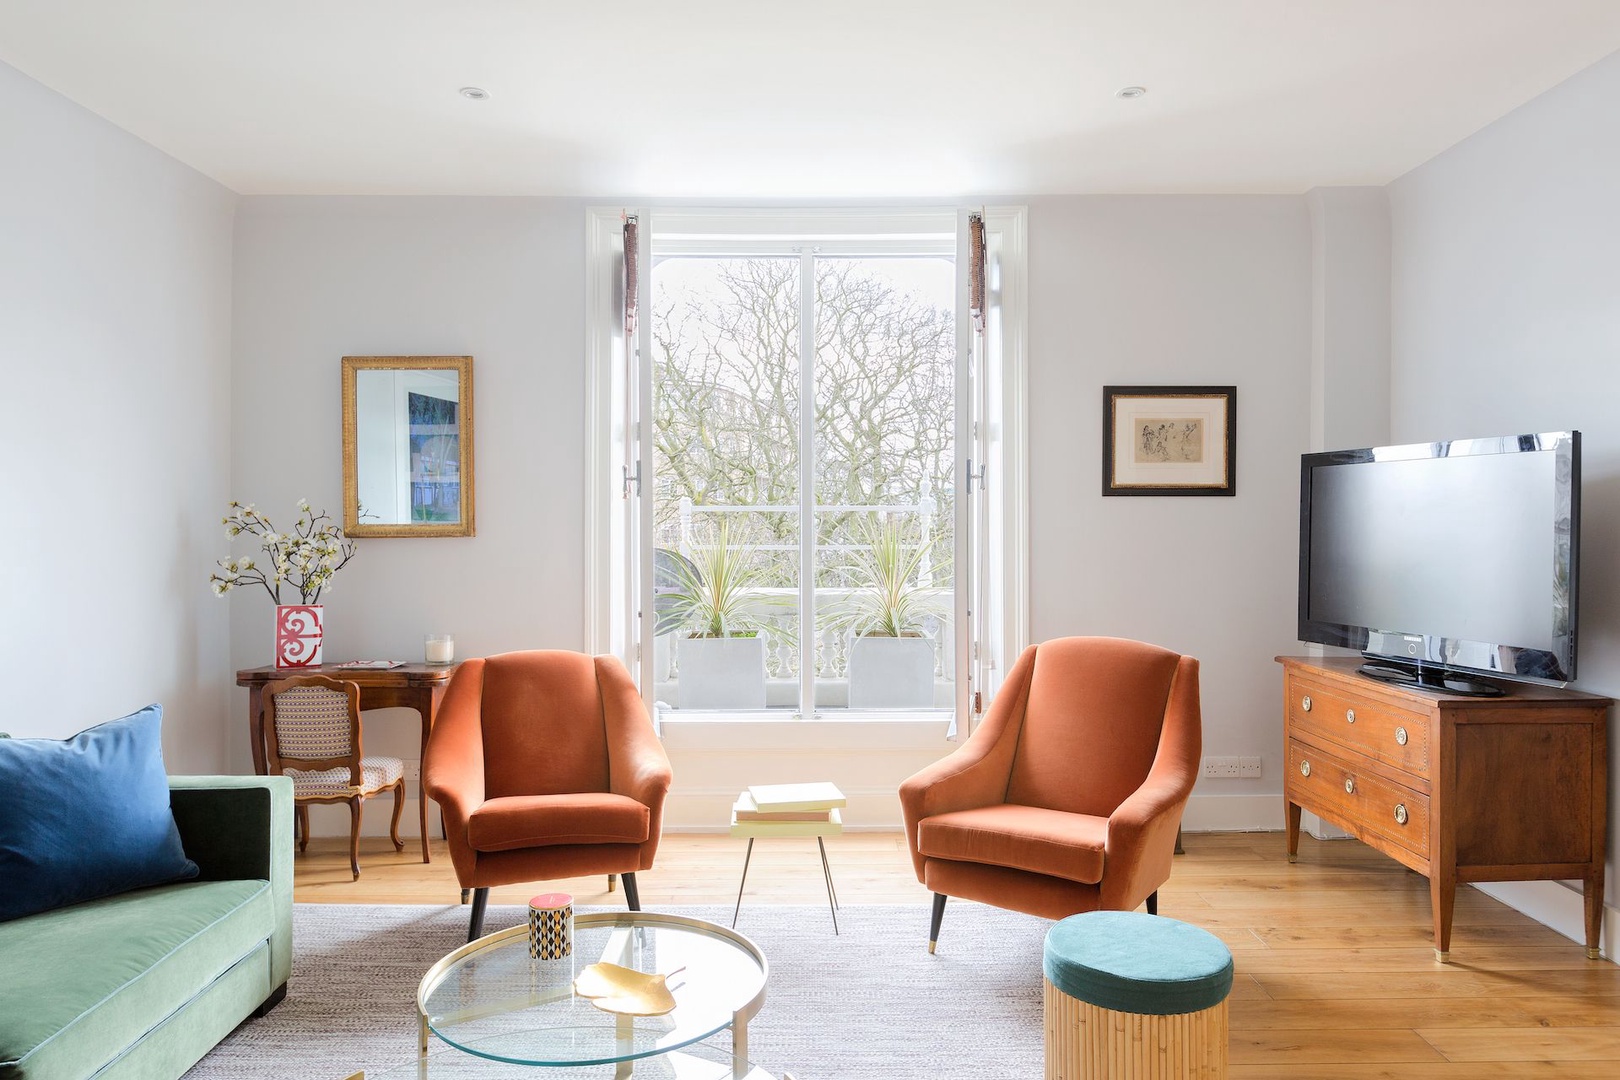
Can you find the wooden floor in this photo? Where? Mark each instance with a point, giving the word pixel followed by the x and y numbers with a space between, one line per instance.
pixel 1336 977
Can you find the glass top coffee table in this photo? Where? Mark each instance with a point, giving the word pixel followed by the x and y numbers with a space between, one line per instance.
pixel 489 999
pixel 700 1061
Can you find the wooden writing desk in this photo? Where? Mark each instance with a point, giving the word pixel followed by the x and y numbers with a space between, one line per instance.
pixel 414 686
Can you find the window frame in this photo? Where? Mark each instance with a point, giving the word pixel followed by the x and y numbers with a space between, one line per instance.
pixel 787 231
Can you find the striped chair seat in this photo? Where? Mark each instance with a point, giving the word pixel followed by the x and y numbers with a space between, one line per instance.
pixel 376 773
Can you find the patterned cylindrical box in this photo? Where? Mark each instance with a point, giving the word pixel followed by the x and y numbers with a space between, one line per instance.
pixel 551 926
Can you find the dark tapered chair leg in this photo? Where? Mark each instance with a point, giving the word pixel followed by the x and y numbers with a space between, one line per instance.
pixel 938 917
pixel 356 809
pixel 475 928
pixel 1153 902
pixel 632 898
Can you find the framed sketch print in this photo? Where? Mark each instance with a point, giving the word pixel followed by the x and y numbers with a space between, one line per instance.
pixel 1169 440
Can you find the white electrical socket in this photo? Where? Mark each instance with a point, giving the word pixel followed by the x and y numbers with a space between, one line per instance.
pixel 1226 768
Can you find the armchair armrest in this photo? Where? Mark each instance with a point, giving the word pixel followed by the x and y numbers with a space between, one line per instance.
pixel 1142 830
pixel 453 764
pixel 638 767
pixel 976 773
pixel 240 827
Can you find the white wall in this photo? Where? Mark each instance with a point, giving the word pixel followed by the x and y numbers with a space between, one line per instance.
pixel 1505 319
pixel 1152 290
pixel 115 269
pixel 501 280
pixel 1349 317
pixel 1176 291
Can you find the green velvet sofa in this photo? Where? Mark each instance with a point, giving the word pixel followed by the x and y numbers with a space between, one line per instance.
pixel 141 985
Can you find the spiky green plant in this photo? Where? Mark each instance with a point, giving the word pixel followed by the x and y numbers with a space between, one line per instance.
pixel 888 600
pixel 715 595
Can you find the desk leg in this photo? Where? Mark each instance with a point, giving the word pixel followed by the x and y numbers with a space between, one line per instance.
pixel 261 765
pixel 426 709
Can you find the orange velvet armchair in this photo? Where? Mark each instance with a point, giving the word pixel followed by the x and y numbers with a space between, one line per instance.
pixel 545 765
pixel 1068 797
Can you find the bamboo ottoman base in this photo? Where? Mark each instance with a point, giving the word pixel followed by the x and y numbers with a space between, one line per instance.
pixel 1087 1042
pixel 1135 997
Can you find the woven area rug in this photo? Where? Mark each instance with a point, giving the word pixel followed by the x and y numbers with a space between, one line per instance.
pixel 870 1002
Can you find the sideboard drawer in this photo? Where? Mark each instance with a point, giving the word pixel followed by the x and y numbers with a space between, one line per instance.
pixel 1357 798
pixel 1392 736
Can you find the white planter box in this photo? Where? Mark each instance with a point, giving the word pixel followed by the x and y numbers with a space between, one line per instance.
pixel 891 673
pixel 721 673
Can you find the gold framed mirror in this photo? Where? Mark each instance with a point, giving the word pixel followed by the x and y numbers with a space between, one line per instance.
pixel 407 446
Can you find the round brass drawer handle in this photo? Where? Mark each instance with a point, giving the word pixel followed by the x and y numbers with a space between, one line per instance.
pixel 1400 736
pixel 1349 785
pixel 1350 715
pixel 1305 703
pixel 1400 814
pixel 1304 768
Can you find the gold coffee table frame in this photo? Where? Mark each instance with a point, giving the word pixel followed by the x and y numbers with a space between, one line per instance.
pixel 517 937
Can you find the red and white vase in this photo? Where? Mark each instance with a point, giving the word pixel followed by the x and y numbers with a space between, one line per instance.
pixel 299 629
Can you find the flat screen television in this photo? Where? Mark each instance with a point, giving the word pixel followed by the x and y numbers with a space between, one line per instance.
pixel 1446 560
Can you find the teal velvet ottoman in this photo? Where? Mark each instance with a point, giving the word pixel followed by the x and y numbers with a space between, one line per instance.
pixel 1135 996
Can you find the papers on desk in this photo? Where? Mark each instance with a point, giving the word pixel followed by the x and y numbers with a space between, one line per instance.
pixel 372 665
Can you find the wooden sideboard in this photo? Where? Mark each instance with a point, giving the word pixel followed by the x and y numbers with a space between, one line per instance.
pixel 1460 789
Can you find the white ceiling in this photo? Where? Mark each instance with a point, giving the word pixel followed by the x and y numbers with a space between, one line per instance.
pixel 818 98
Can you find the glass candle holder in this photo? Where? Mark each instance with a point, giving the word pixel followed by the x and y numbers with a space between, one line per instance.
pixel 439 649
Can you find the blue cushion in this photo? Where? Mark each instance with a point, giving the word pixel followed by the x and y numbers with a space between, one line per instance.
pixel 86 817
pixel 1135 963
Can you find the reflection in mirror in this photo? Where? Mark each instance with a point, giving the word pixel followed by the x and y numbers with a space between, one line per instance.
pixel 407 445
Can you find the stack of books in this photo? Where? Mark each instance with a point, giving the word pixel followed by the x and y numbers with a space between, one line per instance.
pixel 788 810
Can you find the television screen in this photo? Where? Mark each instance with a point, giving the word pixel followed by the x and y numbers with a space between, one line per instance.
pixel 1459 554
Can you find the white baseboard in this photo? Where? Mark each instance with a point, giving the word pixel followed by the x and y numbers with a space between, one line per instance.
pixel 1233 813
pixel 1556 905
pixel 1322 830
pixel 870 809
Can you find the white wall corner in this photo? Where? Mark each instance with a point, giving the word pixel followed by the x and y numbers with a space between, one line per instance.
pixel 1350 317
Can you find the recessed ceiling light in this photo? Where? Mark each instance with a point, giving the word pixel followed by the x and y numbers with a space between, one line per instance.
pixel 475 93
pixel 1124 92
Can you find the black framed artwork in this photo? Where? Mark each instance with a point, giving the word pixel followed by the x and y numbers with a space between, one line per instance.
pixel 1169 440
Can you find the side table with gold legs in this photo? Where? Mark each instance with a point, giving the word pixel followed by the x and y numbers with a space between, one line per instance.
pixel 754 830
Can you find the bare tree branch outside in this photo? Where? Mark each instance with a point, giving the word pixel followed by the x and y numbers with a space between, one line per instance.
pixel 726 406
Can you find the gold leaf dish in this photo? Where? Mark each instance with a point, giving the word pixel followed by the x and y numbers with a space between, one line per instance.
pixel 616 989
